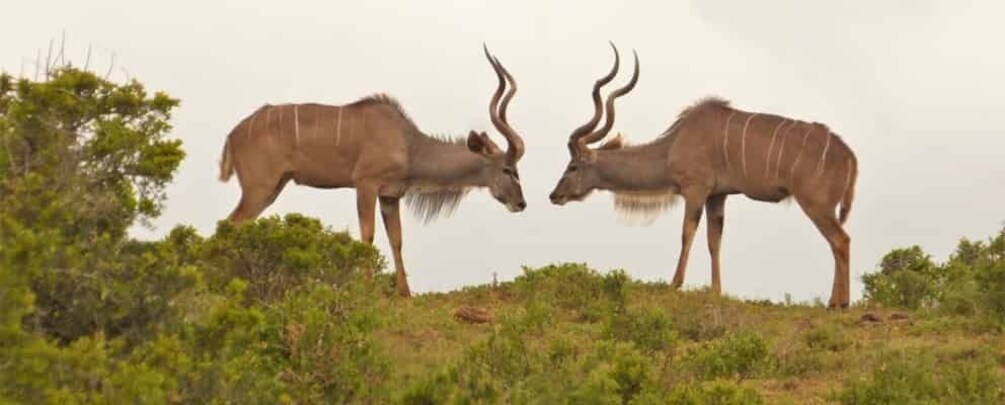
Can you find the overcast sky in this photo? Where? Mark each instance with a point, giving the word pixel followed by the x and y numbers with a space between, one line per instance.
pixel 914 87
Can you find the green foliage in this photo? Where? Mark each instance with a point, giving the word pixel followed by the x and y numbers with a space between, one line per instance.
pixel 574 287
pixel 651 330
pixel 739 356
pixel 970 283
pixel 828 337
pixel 719 392
pixel 277 255
pixel 902 377
pixel 83 155
pixel 907 278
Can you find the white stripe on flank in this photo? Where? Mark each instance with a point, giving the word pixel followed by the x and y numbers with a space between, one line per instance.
pixel 743 144
pixel 725 142
pixel 317 121
pixel 268 120
pixel 767 158
pixel 847 179
pixel 338 127
pixel 296 126
pixel 251 123
pixel 279 134
pixel 362 123
pixel 781 149
pixel 823 155
pixel 792 170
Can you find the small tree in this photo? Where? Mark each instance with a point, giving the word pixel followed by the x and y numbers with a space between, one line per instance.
pixel 81 160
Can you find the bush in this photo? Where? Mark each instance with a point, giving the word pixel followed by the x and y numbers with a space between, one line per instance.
pixel 907 278
pixel 736 356
pixel 574 287
pixel 650 330
pixel 902 377
pixel 720 392
pixel 829 337
pixel 278 255
pixel 970 283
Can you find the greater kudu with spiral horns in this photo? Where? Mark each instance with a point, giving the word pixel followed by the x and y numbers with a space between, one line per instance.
pixel 372 145
pixel 711 151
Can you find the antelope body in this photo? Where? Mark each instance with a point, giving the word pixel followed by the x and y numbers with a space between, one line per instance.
pixel 711 151
pixel 371 145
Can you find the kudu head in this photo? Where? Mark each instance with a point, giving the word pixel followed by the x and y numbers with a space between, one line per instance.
pixel 499 172
pixel 582 176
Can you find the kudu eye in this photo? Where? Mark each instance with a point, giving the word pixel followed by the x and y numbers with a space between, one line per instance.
pixel 572 168
pixel 510 172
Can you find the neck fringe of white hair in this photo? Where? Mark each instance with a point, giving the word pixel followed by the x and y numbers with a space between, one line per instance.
pixel 642 207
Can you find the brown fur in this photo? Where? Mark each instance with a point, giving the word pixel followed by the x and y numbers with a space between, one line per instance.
pixel 374 147
pixel 713 150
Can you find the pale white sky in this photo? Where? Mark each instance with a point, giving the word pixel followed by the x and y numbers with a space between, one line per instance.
pixel 914 87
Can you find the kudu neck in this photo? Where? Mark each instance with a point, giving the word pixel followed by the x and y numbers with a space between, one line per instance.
pixel 436 162
pixel 636 168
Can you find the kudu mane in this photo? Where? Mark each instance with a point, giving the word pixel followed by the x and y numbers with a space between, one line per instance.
pixel 643 207
pixel 426 202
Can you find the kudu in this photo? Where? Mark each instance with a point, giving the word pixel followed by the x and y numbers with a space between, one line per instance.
pixel 711 151
pixel 372 145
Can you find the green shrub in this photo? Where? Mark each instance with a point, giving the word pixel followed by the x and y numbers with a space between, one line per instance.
pixel 913 377
pixel 907 278
pixel 277 255
pixel 739 356
pixel 574 287
pixel 324 337
pixel 828 337
pixel 650 329
pixel 719 392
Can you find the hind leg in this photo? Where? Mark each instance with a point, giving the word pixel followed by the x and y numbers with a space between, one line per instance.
pixel 826 221
pixel 255 199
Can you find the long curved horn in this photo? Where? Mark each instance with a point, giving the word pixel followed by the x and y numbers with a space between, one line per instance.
pixel 515 148
pixel 585 129
pixel 602 132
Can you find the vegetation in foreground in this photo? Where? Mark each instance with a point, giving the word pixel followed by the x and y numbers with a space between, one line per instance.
pixel 275 311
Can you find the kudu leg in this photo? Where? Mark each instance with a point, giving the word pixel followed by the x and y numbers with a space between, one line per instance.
pixel 829 226
pixel 254 200
pixel 692 216
pixel 391 213
pixel 366 205
pixel 715 210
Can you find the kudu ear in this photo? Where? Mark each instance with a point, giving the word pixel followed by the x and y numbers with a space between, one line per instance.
pixel 481 144
pixel 616 142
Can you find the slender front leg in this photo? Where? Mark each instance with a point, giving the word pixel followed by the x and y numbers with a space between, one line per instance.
pixel 366 204
pixel 715 209
pixel 692 216
pixel 390 211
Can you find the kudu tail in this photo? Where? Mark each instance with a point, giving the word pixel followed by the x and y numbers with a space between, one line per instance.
pixel 849 192
pixel 226 162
